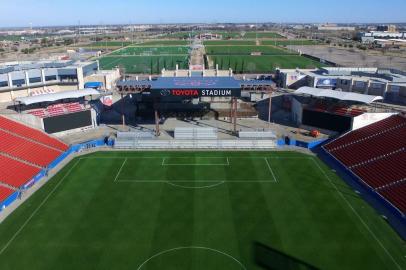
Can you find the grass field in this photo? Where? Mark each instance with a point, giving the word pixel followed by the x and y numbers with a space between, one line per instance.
pixel 164 43
pixel 229 42
pixel 144 64
pixel 184 210
pixel 253 35
pixel 265 63
pixel 111 44
pixel 147 50
pixel 290 42
pixel 245 50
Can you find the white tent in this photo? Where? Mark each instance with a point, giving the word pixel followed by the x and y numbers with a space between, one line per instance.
pixel 345 96
pixel 57 96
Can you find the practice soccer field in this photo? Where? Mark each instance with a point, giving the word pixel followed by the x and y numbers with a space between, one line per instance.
pixel 144 64
pixel 149 50
pixel 196 210
pixel 253 35
pixel 164 42
pixel 228 42
pixel 246 50
pixel 264 63
pixel 290 42
pixel 111 44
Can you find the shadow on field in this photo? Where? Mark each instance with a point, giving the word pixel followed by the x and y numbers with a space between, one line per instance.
pixel 272 259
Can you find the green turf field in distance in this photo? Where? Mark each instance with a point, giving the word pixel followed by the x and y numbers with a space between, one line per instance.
pixel 253 35
pixel 228 42
pixel 164 43
pixel 245 50
pixel 202 210
pixel 228 35
pixel 161 50
pixel 260 64
pixel 111 44
pixel 12 38
pixel 290 42
pixel 144 64
pixel 179 35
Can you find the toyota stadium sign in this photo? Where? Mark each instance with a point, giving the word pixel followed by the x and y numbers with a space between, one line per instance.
pixel 192 93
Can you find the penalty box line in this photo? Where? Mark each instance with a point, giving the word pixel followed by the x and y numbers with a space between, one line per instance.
pixel 192 181
pixel 197 164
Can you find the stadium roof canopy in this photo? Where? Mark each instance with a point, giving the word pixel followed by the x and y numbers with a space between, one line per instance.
pixel 345 96
pixel 192 83
pixel 57 96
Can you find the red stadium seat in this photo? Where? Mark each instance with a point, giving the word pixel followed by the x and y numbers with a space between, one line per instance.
pixel 16 173
pixel 377 155
pixel 27 150
pixel 30 133
pixel 5 192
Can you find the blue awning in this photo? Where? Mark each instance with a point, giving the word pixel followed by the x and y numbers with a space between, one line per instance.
pixel 93 85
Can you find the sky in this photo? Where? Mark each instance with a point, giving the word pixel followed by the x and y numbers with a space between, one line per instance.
pixel 20 13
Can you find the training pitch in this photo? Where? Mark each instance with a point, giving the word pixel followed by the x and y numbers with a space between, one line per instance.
pixel 196 210
pixel 145 64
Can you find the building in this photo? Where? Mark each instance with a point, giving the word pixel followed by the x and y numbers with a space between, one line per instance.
pixel 386 28
pixel 382 35
pixel 21 79
pixel 335 27
pixel 389 83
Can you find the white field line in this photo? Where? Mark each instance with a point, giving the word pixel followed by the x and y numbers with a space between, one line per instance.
pixel 194 181
pixel 196 164
pixel 38 208
pixel 270 169
pixel 105 157
pixel 242 266
pixel 119 171
pixel 357 215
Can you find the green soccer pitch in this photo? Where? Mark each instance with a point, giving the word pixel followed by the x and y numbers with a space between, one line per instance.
pixel 196 210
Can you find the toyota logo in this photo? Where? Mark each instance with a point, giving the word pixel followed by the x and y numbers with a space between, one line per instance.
pixel 165 92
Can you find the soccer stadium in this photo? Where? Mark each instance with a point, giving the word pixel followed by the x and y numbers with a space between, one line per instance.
pixel 204 149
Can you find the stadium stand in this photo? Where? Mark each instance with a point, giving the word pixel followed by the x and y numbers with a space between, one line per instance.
pixel 31 134
pixel 380 159
pixel 196 133
pixel 27 150
pixel 251 134
pixel 58 109
pixel 397 195
pixel 24 152
pixel 5 192
pixel 195 144
pixel 338 109
pixel 15 173
pixel 135 135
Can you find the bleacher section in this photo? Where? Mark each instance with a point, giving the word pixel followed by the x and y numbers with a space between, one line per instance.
pixel 27 150
pixel 377 155
pixel 135 135
pixel 58 109
pixel 252 134
pixel 33 134
pixel 397 195
pixel 5 192
pixel 343 110
pixel 195 144
pixel 24 152
pixel 196 133
pixel 16 173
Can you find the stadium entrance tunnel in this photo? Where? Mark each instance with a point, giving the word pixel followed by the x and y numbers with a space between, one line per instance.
pixel 203 258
